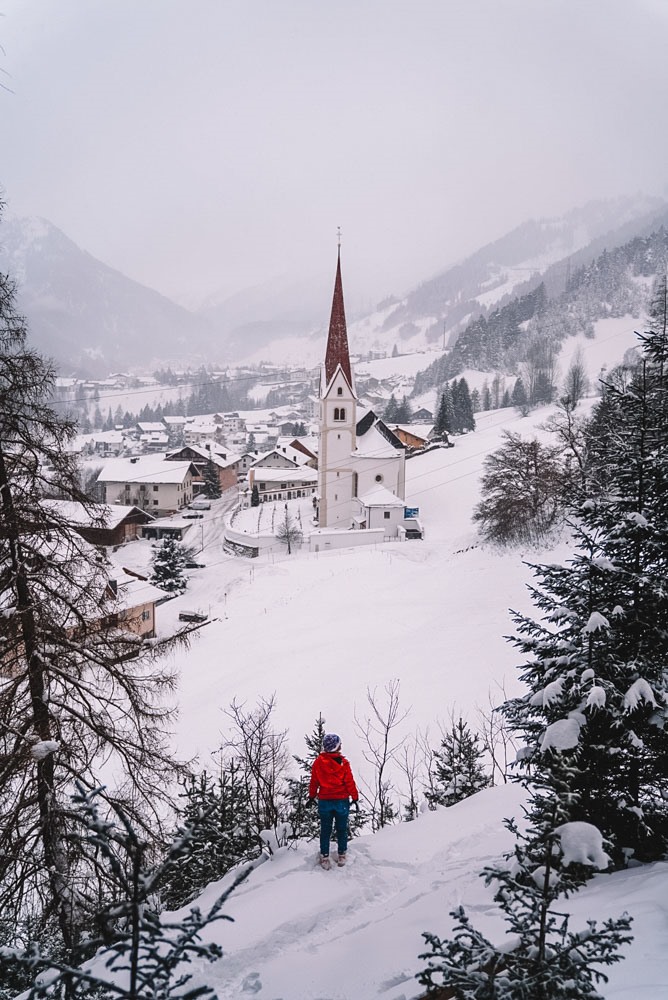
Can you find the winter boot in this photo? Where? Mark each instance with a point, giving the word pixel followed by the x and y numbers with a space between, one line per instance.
pixel 325 862
pixel 341 860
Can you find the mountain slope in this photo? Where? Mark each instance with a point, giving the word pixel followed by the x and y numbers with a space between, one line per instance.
pixel 89 317
pixel 550 249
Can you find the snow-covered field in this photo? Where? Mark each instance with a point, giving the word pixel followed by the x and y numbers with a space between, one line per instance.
pixel 319 631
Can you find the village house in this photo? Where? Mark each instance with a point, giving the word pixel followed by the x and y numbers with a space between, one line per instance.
pixel 280 483
pixel 422 416
pixel 196 432
pixel 201 456
pixel 134 601
pixel 413 435
pixel 148 482
pixel 108 442
pixel 275 459
pixel 101 524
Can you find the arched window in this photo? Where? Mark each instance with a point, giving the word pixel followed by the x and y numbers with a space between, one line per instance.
pixel 339 391
pixel 339 413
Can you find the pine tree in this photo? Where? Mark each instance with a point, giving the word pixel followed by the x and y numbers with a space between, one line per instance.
pixel 519 397
pixel 444 417
pixel 463 419
pixel 211 481
pixel 543 959
pixel 168 567
pixel 301 815
pixel 390 413
pixel 457 769
pixel 255 496
pixel 596 673
pixel 215 818
pixel 404 412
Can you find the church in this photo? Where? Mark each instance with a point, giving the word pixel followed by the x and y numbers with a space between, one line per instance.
pixel 361 463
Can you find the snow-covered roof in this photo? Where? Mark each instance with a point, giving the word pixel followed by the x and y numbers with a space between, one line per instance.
pixel 111 437
pixel 380 496
pixel 150 427
pixel 296 458
pixel 373 444
pixel 420 430
pixel 133 592
pixel 96 515
pixel 148 469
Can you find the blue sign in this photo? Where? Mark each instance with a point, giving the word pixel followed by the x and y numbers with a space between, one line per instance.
pixel 411 511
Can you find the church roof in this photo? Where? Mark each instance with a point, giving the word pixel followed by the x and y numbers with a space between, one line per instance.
pixel 337 341
pixel 371 428
pixel 381 497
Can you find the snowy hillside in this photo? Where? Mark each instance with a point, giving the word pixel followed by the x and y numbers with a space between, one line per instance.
pixel 300 933
pixel 319 631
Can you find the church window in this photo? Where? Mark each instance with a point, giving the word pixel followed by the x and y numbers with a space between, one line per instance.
pixel 339 391
pixel 339 413
pixel 379 478
pixel 386 515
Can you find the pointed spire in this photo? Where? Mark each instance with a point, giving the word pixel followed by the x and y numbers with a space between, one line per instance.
pixel 337 341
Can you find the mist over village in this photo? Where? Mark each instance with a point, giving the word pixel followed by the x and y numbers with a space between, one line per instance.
pixel 333 500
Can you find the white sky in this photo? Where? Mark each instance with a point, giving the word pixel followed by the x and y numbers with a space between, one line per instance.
pixel 203 145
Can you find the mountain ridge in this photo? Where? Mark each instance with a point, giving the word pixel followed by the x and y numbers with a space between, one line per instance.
pixel 94 319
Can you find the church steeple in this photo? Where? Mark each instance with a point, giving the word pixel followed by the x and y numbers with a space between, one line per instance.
pixel 337 341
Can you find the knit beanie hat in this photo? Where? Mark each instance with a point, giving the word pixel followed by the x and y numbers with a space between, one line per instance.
pixel 331 742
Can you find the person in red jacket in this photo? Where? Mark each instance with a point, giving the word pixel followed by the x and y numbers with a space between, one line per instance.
pixel 333 784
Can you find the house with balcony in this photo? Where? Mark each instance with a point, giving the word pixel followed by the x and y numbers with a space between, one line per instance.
pixel 148 482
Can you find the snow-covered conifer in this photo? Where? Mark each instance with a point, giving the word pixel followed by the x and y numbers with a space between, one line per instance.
pixel 595 668
pixel 168 566
pixel 457 770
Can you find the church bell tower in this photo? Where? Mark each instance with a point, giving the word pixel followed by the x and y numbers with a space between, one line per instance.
pixel 338 418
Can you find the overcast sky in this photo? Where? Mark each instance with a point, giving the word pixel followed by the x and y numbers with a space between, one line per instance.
pixel 207 145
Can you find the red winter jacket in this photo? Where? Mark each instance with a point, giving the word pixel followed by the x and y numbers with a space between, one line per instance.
pixel 332 778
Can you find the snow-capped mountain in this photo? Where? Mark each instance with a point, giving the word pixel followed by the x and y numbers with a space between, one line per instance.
pixel 89 317
pixel 92 318
pixel 434 313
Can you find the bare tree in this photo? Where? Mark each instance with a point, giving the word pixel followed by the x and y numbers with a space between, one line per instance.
pixel 288 531
pixel 80 697
pixel 382 747
pixel 262 756
pixel 497 737
pixel 576 383
pixel 413 761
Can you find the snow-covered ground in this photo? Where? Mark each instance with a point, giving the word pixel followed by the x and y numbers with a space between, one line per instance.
pixel 355 933
pixel 320 631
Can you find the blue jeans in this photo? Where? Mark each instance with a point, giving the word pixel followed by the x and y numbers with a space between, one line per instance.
pixel 333 812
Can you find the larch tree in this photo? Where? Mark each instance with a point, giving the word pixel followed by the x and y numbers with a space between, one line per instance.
pixel 521 491
pixel 82 699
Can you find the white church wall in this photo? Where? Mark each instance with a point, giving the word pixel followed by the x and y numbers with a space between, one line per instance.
pixel 324 540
